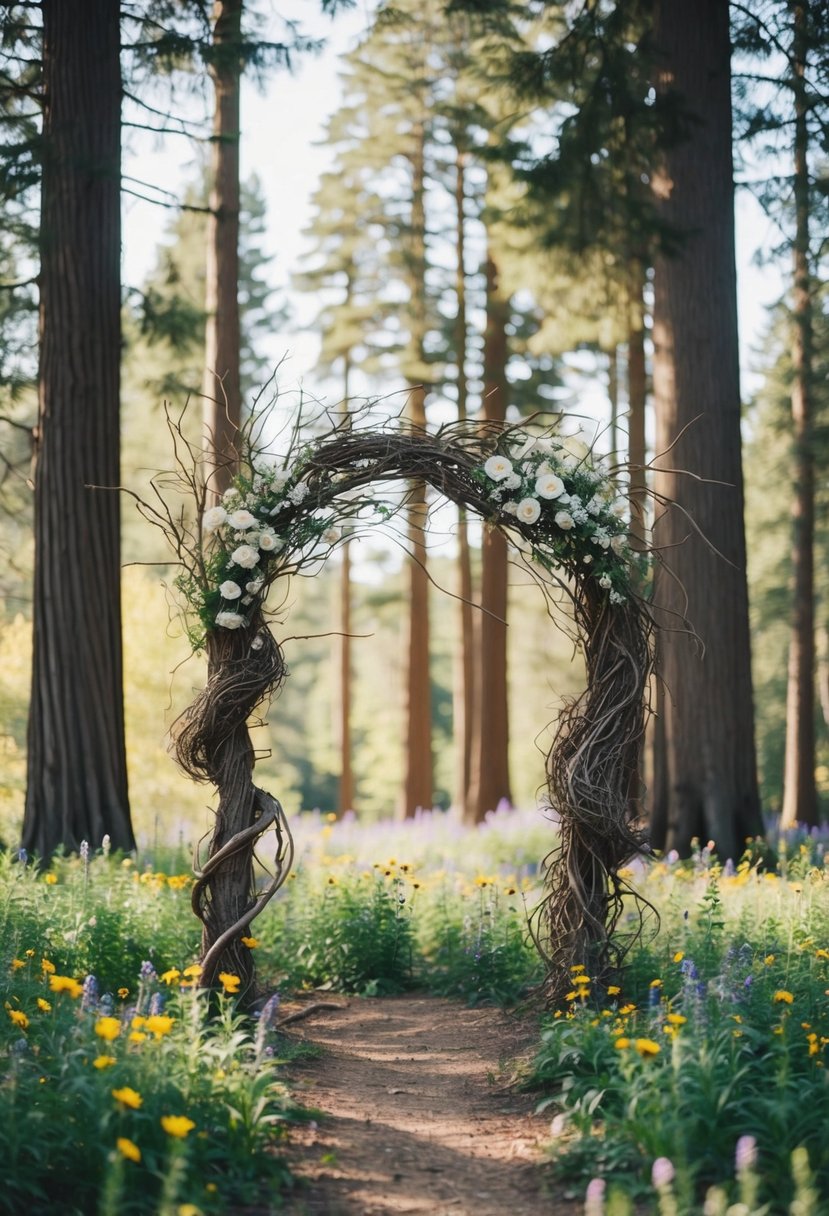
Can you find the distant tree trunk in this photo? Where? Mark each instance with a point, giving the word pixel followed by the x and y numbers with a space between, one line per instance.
pixel 418 790
pixel 823 671
pixel 463 703
pixel 77 775
pixel 221 386
pixel 710 783
pixel 490 782
pixel 800 802
pixel 613 399
pixel 346 787
pixel 637 405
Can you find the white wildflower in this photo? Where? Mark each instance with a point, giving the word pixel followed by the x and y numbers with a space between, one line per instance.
pixel 616 598
pixel 549 486
pixel 241 520
pixel 509 508
pixel 564 521
pixel 254 586
pixel 594 507
pixel 497 468
pixel 229 620
pixel 245 556
pixel 619 508
pixel 619 544
pixel 213 518
pixel 588 559
pixel 576 447
pixel 258 642
pixel 230 590
pixel 528 510
pixel 605 582
pixel 512 482
pixel 331 535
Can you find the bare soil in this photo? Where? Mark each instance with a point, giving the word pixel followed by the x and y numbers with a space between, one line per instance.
pixel 418 1113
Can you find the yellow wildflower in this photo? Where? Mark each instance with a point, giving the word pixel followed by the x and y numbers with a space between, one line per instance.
pixel 622 1043
pixel 47 967
pixel 571 996
pixel 170 977
pixel 65 983
pixel 229 981
pixel 581 979
pixel 137 1036
pixel 103 1062
pixel 19 1018
pixel 768 960
pixel 676 1019
pixel 577 968
pixel 159 1024
pixel 17 963
pixel 613 990
pixel 781 996
pixel 193 971
pixel 647 1047
pixel 189 1209
pixel 656 984
pixel 123 993
pixel 127 1097
pixel 43 1005
pixel 178 1126
pixel 51 879
pixel 30 954
pixel 128 1149
pixel 250 942
pixel 627 1009
pixel 679 956
pixel 108 1028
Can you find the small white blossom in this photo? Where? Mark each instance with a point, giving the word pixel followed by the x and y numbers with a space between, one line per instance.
pixel 213 518
pixel 254 586
pixel 619 508
pixel 616 598
pixel 245 556
pixel 497 468
pixel 618 544
pixel 230 590
pixel 576 447
pixel 594 507
pixel 299 493
pixel 246 599
pixel 605 582
pixel 564 521
pixel 512 482
pixel 241 520
pixel 549 486
pixel 230 495
pixel 528 510
pixel 258 642
pixel 509 508
pixel 331 535
pixel 229 620
pixel 588 559
pixel 269 542
pixel 280 506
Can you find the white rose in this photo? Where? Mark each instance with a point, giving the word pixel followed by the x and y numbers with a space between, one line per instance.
pixel 605 582
pixel 240 520
pixel 618 544
pixel 509 508
pixel 331 535
pixel 619 508
pixel 528 510
pixel 588 559
pixel 549 486
pixel 270 543
pixel 245 556
pixel 230 590
pixel 497 468
pixel 564 520
pixel 254 586
pixel 213 518
pixel 229 620
pixel 512 482
pixel 576 447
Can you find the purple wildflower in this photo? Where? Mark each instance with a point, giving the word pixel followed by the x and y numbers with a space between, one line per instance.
pixel 745 1154
pixel 662 1172
pixel 89 1000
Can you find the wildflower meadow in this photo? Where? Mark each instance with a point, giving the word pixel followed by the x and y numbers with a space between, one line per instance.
pixel 695 1084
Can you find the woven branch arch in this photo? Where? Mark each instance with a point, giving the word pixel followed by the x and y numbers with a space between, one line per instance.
pixel 280 515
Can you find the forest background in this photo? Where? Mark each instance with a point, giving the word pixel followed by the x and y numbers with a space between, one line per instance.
pixel 566 355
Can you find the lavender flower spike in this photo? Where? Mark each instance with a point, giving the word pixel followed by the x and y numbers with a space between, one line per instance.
pixel 745 1154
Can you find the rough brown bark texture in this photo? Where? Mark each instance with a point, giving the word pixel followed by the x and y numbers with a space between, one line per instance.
pixel 490 777
pixel 708 785
pixel 77 780
pixel 417 789
pixel 800 803
pixel 221 387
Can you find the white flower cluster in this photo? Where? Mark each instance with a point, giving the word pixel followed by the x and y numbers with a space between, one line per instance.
pixel 553 483
pixel 243 530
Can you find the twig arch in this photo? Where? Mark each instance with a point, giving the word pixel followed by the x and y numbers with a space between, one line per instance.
pixel 593 764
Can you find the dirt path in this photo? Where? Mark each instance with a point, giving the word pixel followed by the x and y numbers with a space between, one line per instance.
pixel 417 1115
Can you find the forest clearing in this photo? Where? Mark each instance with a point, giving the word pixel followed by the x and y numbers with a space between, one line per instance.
pixel 414 633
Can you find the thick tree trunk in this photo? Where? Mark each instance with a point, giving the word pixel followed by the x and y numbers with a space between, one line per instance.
pixel 800 802
pixel 637 405
pixel 77 778
pixel 709 781
pixel 221 387
pixel 418 788
pixel 463 701
pixel 490 781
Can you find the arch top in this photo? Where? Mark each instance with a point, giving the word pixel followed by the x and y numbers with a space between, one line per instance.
pixel 286 511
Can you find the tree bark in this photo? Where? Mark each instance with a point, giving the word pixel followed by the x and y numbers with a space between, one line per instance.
pixel 77 774
pixel 709 782
pixel 346 785
pixel 490 782
pixel 463 701
pixel 221 387
pixel 418 788
pixel 800 803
